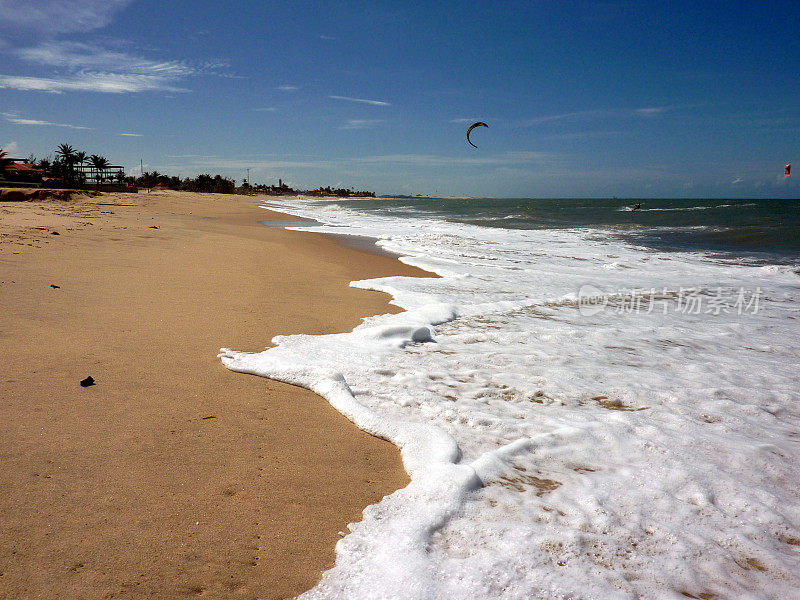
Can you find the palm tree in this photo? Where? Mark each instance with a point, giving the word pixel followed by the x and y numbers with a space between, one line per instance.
pixel 67 154
pixel 100 164
pixel 45 164
pixel 80 158
pixel 4 161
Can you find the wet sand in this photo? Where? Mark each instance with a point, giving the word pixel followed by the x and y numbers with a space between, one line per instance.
pixel 172 476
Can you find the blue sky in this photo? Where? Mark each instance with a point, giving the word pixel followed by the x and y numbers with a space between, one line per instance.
pixel 629 99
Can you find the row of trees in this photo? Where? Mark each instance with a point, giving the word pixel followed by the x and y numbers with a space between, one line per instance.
pixel 201 183
pixel 223 185
pixel 75 167
pixel 69 167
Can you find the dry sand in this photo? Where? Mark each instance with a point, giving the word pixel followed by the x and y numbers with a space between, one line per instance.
pixel 172 477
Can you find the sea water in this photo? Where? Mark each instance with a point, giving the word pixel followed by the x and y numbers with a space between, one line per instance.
pixel 593 402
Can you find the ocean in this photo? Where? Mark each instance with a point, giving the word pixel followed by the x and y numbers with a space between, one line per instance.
pixel 592 401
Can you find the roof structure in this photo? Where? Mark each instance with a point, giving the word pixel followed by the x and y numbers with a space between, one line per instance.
pixel 22 168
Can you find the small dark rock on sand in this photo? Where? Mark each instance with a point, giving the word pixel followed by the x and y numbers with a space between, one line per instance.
pixel 87 382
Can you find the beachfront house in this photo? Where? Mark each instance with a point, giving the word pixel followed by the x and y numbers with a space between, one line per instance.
pixel 20 173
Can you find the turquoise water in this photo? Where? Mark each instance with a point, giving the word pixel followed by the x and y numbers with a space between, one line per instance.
pixel 768 229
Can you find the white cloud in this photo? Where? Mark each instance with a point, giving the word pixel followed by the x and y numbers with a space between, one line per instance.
pixel 85 57
pixel 362 123
pixel 362 100
pixel 17 120
pixel 288 88
pixel 190 156
pixel 93 68
pixel 582 135
pixel 583 115
pixel 11 149
pixel 265 109
pixel 58 16
pixel 240 163
pixel 89 81
pixel 130 134
pixel 431 160
pixel 564 117
pixel 650 111
pixel 359 164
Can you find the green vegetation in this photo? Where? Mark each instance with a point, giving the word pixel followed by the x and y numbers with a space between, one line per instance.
pixel 4 161
pixel 67 160
pixel 70 169
pixel 77 169
pixel 100 166
pixel 201 183
pixel 223 185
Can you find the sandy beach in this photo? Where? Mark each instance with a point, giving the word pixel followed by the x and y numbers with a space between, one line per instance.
pixel 172 476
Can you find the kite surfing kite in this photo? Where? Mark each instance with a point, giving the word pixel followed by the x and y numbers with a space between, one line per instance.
pixel 473 126
pixel 787 170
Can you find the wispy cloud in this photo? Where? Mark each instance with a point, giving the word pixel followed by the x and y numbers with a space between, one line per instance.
pixel 216 162
pixel 521 160
pixel 88 81
pixel 17 120
pixel 90 57
pixel 362 123
pixel 130 134
pixel 57 16
pixel 581 135
pixel 288 88
pixel 190 156
pixel 86 67
pixel 650 111
pixel 432 160
pixel 362 100
pixel 265 109
pixel 584 115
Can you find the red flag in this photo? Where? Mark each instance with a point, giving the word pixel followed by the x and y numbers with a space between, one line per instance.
pixel 788 170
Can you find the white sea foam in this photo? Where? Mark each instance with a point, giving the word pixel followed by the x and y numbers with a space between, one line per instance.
pixel 643 445
pixel 684 208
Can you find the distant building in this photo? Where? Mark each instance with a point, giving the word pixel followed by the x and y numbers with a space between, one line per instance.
pixel 87 173
pixel 22 172
pixel 23 168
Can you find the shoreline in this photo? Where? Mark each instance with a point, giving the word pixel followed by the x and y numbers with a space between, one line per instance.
pixel 174 476
pixel 357 242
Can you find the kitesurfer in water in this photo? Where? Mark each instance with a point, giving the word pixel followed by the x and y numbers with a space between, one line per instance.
pixel 638 206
